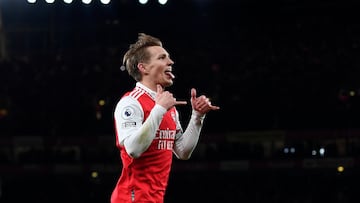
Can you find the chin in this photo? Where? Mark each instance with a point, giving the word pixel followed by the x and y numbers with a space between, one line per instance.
pixel 168 84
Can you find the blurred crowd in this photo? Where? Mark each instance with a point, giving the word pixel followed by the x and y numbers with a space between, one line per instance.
pixel 270 69
pixel 286 71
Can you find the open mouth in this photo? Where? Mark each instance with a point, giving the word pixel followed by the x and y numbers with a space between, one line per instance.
pixel 169 73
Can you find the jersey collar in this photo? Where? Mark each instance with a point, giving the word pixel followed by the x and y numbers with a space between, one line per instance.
pixel 148 90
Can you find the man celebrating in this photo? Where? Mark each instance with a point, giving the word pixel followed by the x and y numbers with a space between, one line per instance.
pixel 147 125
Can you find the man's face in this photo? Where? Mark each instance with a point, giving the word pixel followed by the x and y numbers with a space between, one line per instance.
pixel 158 70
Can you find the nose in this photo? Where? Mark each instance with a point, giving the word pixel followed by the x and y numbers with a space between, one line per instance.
pixel 171 62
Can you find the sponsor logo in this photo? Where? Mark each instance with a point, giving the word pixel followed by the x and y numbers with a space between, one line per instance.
pixel 166 139
pixel 128 124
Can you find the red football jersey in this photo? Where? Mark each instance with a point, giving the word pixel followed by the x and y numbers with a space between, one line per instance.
pixel 145 179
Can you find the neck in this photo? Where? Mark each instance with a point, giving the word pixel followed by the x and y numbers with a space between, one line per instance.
pixel 149 85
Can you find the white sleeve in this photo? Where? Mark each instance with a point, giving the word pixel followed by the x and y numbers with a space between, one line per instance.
pixel 186 142
pixel 132 131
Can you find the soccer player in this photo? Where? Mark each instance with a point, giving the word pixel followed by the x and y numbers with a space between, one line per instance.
pixel 147 126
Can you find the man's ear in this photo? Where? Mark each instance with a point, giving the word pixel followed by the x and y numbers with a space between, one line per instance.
pixel 142 68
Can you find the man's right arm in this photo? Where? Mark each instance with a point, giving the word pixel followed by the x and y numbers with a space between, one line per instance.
pixel 133 133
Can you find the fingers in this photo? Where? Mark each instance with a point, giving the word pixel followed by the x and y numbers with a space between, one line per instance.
pixel 166 98
pixel 202 100
pixel 180 103
pixel 203 105
pixel 214 107
pixel 206 108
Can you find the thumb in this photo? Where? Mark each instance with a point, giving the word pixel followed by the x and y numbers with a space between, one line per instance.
pixel 193 93
pixel 159 89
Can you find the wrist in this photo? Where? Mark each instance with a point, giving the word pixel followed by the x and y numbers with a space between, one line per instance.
pixel 197 116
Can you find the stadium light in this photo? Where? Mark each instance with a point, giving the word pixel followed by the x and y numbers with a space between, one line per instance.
pixel 86 1
pixel 68 1
pixel 143 1
pixel 50 1
pixel 162 2
pixel 31 1
pixel 105 1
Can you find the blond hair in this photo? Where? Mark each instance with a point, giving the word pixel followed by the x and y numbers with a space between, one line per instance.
pixel 138 53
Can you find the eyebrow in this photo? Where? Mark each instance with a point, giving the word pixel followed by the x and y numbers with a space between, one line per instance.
pixel 163 54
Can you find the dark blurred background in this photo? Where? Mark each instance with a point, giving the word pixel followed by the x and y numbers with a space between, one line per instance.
pixel 284 72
